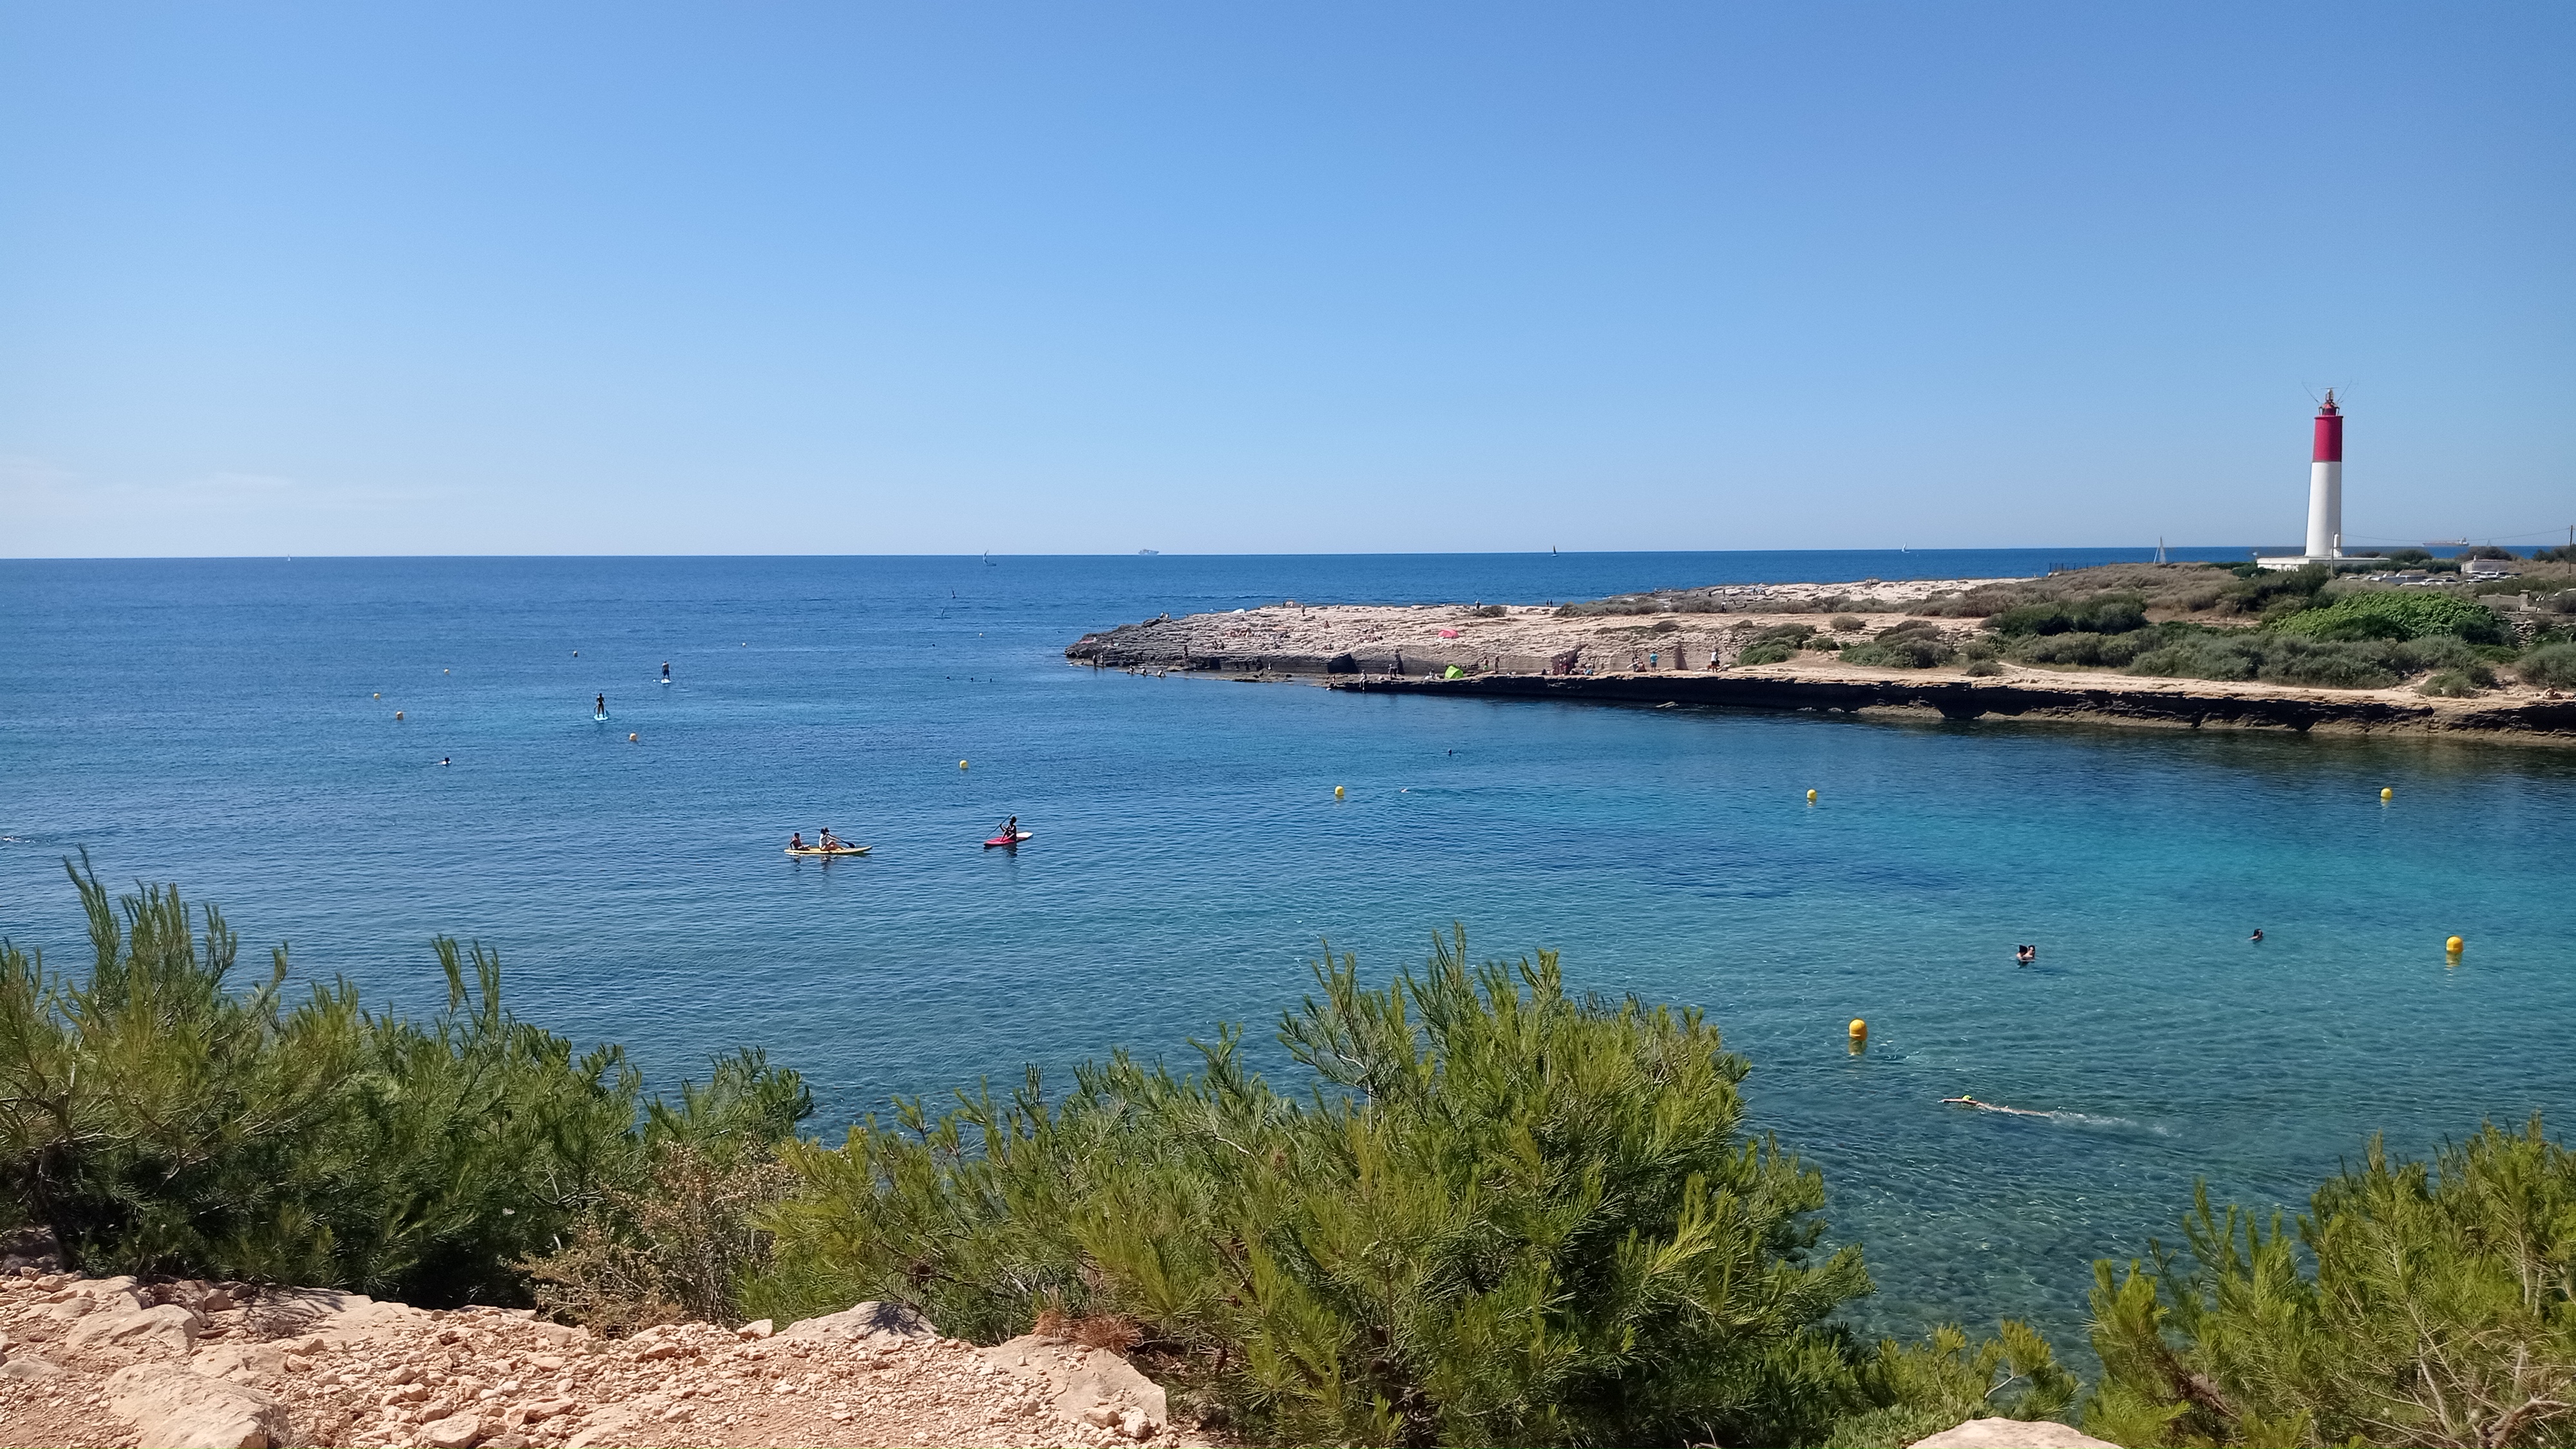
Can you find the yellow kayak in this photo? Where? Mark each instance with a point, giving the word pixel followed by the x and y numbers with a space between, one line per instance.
pixel 836 850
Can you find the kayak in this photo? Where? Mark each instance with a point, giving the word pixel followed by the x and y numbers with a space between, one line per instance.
pixel 1008 839
pixel 837 850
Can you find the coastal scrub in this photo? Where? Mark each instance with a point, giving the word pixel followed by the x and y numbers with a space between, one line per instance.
pixel 1503 1215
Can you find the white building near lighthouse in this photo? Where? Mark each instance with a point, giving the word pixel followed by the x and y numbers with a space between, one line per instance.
pixel 2325 494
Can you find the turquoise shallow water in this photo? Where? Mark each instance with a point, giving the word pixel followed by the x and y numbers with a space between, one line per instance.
pixel 211 723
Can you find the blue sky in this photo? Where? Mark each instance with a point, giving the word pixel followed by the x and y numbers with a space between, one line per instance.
pixel 640 278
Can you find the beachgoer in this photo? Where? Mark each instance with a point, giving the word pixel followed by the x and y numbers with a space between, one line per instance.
pixel 2026 954
pixel 829 841
pixel 796 840
pixel 1011 828
pixel 2257 936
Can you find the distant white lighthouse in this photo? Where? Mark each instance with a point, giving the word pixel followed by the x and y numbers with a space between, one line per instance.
pixel 2325 493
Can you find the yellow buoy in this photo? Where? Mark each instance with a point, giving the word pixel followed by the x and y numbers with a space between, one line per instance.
pixel 1337 792
pixel 447 671
pixel 377 695
pixel 2387 794
pixel 1811 797
pixel 630 739
pixel 1859 1029
pixel 2453 945
pixel 961 764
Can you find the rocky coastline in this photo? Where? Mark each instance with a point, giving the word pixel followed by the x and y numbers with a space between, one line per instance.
pixel 1694 659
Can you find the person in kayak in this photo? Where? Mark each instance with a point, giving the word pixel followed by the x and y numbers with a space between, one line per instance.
pixel 1010 829
pixel 796 840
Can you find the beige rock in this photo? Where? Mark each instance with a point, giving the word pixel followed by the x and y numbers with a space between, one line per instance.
pixel 28 1366
pixel 175 1409
pixel 456 1431
pixel 865 1321
pixel 1078 1378
pixel 757 1328
pixel 2011 1434
pixel 165 1331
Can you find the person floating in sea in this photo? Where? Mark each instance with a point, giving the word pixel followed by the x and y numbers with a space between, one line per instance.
pixel 2025 954
pixel 2257 936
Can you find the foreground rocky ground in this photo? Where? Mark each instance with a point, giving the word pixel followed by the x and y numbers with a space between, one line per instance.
pixel 109 1361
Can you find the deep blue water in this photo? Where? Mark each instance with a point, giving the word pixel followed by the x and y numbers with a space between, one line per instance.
pixel 216 724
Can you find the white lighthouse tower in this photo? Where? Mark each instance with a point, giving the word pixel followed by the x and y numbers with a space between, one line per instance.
pixel 2325 493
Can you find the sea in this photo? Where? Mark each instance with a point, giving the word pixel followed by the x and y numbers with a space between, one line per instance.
pixel 353 755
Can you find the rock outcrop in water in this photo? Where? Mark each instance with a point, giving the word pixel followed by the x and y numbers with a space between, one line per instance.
pixel 1523 652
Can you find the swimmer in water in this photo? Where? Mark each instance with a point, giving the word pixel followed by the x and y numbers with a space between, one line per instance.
pixel 2257 936
pixel 442 759
pixel 2025 954
pixel 1964 1100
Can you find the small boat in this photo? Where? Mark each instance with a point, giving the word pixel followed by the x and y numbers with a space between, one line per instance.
pixel 835 850
pixel 1011 840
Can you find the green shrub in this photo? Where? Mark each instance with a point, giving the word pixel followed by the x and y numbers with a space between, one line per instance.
pixel 2265 589
pixel 2102 614
pixel 2234 655
pixel 1490 611
pixel 2414 1304
pixel 1984 668
pixel 2058 649
pixel 1507 1216
pixel 1937 1385
pixel 157 1121
pixel 2551 666
pixel 1914 644
pixel 1847 623
pixel 2397 614
pixel 1771 653
pixel 2327 665
pixel 1786 634
pixel 2449 684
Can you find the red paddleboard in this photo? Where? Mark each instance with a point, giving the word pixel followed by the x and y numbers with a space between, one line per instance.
pixel 1008 839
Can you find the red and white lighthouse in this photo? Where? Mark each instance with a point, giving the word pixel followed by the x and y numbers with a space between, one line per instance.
pixel 2325 484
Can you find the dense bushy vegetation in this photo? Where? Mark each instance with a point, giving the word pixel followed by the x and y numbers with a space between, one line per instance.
pixel 2302 627
pixel 1504 1215
pixel 2413 1303
pixel 155 1119
pixel 1496 1213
